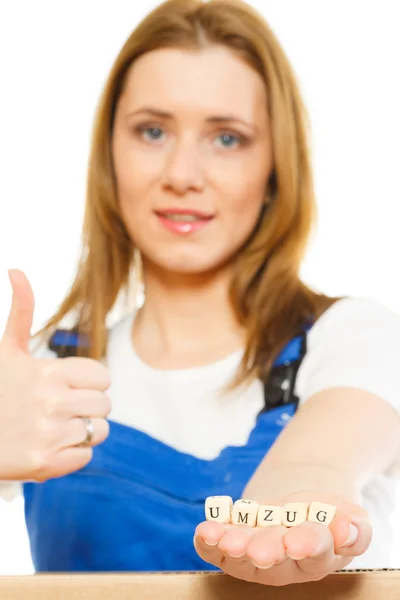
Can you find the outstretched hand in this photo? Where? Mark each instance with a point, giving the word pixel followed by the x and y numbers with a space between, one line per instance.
pixel 278 555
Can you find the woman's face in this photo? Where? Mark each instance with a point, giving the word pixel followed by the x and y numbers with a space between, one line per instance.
pixel 192 156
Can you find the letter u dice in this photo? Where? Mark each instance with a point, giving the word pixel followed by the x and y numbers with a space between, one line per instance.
pixel 218 508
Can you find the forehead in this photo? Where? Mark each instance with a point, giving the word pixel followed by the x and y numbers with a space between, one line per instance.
pixel 207 80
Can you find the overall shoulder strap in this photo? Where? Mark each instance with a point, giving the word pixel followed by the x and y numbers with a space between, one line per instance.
pixel 65 342
pixel 280 384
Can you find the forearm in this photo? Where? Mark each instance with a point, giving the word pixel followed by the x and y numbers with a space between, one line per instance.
pixel 337 441
pixel 273 481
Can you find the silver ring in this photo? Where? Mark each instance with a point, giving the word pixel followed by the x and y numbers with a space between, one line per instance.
pixel 89 431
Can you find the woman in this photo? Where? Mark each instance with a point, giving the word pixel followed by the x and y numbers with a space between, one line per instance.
pixel 233 377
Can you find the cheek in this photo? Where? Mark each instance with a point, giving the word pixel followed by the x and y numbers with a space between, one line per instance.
pixel 245 206
pixel 132 188
pixel 128 178
pixel 129 190
pixel 132 170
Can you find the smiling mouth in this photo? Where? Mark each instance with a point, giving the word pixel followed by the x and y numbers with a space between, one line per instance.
pixel 182 222
pixel 183 217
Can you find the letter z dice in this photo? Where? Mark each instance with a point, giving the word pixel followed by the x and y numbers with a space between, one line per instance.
pixel 269 514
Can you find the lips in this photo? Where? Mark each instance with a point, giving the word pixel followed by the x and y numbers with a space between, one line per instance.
pixel 183 214
pixel 183 221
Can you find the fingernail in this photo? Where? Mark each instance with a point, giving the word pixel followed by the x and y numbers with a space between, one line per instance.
pixel 211 543
pixel 296 557
pixel 353 535
pixel 264 567
pixel 236 555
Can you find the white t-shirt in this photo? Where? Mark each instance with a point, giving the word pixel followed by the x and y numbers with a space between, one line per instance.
pixel 355 343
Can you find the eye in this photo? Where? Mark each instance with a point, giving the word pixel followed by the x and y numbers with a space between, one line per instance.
pixel 155 132
pixel 141 129
pixel 227 136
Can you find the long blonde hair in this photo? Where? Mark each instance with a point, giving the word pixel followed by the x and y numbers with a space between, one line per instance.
pixel 266 293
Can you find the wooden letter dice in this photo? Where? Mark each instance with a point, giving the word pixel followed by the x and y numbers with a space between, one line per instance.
pixel 321 513
pixel 269 515
pixel 218 508
pixel 294 513
pixel 245 513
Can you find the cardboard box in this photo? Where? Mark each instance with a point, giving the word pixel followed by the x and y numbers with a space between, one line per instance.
pixel 365 585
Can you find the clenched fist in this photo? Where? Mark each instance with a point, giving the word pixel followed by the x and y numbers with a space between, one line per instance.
pixel 42 401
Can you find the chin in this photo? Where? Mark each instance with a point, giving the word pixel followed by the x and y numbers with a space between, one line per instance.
pixel 190 265
pixel 190 268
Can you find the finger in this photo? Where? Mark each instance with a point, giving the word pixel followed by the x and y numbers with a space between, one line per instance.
pixel 311 545
pixel 206 539
pixel 84 403
pixel 229 553
pixel 235 540
pixel 352 534
pixel 267 547
pixel 76 433
pixel 307 539
pixel 19 322
pixel 285 573
pixel 85 373
pixel 65 462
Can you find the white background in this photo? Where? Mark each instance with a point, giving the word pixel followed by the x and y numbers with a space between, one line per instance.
pixel 54 59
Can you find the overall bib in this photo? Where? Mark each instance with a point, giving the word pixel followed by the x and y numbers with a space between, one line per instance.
pixel 136 505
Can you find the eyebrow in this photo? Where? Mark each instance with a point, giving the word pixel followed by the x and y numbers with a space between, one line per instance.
pixel 166 115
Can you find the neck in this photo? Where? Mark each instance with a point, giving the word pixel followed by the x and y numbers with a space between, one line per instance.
pixel 186 320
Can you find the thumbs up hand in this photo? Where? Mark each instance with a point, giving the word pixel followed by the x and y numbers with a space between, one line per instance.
pixel 46 404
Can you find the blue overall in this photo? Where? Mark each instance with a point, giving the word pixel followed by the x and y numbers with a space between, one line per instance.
pixel 136 505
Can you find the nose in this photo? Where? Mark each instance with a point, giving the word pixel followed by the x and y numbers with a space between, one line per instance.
pixel 183 169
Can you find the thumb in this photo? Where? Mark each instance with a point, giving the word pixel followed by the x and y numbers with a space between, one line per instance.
pixel 19 323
